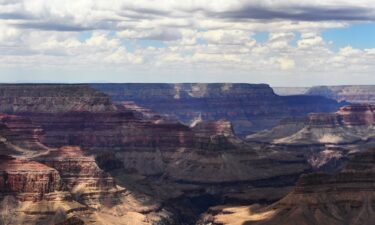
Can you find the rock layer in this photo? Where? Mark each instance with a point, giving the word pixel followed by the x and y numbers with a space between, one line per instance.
pixel 344 198
pixel 249 107
pixel 349 124
pixel 30 179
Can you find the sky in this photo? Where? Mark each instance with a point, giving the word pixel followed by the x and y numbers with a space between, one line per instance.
pixel 279 42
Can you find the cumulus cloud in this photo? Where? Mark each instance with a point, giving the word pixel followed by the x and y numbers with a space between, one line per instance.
pixel 286 63
pixel 173 36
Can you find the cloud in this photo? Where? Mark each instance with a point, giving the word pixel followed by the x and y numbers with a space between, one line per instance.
pixel 211 37
pixel 286 63
pixel 300 12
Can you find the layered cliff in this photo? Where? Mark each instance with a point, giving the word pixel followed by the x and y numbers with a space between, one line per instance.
pixel 249 107
pixel 77 170
pixel 350 124
pixel 128 154
pixel 346 197
pixel 51 98
pixel 29 180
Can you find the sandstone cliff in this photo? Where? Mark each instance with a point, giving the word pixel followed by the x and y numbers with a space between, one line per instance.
pixel 27 179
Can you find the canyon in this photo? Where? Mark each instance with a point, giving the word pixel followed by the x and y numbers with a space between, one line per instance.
pixel 163 153
pixel 249 107
pixel 345 197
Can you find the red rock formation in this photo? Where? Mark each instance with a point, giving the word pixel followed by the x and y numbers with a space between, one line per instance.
pixel 20 131
pixel 27 177
pixel 76 169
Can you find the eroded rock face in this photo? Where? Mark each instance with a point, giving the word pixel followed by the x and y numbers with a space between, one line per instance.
pixel 346 197
pixel 29 180
pixel 170 160
pixel 348 125
pixel 19 132
pixel 52 98
pixel 326 139
pixel 77 170
pixel 249 107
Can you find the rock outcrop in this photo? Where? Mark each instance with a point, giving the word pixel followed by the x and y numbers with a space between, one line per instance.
pixel 28 180
pixel 77 170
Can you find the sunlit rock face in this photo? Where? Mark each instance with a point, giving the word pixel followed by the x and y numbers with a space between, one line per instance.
pixel 77 170
pixel 29 180
pixel 249 107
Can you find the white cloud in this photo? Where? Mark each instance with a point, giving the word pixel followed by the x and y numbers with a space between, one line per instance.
pixel 286 63
pixel 207 36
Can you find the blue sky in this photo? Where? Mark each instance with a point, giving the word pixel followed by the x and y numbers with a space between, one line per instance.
pixel 280 42
pixel 361 35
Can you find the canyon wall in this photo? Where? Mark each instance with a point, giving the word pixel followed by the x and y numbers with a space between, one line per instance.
pixel 345 197
pixel 249 107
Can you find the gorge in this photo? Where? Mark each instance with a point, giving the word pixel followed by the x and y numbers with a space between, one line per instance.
pixel 163 153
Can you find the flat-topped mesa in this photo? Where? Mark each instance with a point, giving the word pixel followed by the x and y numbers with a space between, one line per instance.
pixel 28 180
pixel 78 170
pixel 52 98
pixel 159 91
pixel 249 107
